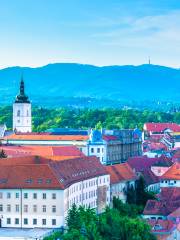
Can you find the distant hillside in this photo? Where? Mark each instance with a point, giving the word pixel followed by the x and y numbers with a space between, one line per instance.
pixel 73 84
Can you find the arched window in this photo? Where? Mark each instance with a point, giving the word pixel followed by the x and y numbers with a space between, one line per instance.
pixel 18 113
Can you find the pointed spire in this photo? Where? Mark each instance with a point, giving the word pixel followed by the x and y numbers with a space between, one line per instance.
pixel 22 86
pixel 22 98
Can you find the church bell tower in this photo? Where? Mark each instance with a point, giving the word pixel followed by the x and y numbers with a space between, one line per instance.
pixel 22 121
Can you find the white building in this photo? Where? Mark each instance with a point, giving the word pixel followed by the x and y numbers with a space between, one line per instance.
pixel 38 192
pixel 171 178
pixel 122 176
pixel 22 121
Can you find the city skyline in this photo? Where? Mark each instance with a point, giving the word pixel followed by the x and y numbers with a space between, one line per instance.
pixel 98 33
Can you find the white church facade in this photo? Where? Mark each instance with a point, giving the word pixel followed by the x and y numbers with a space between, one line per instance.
pixel 22 121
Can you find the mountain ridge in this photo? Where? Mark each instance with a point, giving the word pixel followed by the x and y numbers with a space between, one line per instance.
pixel 126 83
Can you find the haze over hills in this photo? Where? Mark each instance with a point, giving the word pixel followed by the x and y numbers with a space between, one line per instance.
pixel 76 84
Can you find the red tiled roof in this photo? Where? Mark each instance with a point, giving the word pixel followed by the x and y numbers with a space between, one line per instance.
pixel 164 208
pixel 17 151
pixel 168 200
pixel 175 214
pixel 141 162
pixel 62 173
pixel 169 194
pixel 17 176
pixel 173 172
pixel 149 177
pixel 161 226
pixel 120 172
pixel 46 137
pixel 160 127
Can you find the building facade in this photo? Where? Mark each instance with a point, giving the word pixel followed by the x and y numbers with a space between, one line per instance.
pixel 110 147
pixel 39 191
pixel 122 177
pixel 22 121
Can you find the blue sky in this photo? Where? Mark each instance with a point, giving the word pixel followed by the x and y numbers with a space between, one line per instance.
pixel 100 32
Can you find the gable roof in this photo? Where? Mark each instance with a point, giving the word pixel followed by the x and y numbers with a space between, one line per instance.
pixel 31 176
pixel 164 208
pixel 149 177
pixel 15 171
pixel 175 214
pixel 168 200
pixel 141 162
pixel 160 127
pixel 173 172
pixel 120 172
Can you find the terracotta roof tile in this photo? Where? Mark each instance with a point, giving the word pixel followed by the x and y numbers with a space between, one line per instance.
pixel 173 172
pixel 46 137
pixel 161 226
pixel 160 127
pixel 62 172
pixel 17 151
pixel 168 200
pixel 120 172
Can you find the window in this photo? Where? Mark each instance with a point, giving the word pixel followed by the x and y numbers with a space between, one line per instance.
pixel 8 221
pixel 35 195
pixel 34 208
pixel 54 196
pixel 174 181
pixel 44 195
pixel 25 195
pixel 17 208
pixel 26 208
pixel 44 208
pixel 8 195
pixel 8 208
pixel 53 221
pixel 34 221
pixel 43 221
pixel 25 221
pixel 16 221
pixel 98 150
pixel 48 181
pixel 92 150
pixel 39 180
pixel 17 195
pixel 29 181
pixel 53 208
pixel 1 208
pixel 18 113
pixel 1 195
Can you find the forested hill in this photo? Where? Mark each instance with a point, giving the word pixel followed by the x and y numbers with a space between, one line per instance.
pixel 59 83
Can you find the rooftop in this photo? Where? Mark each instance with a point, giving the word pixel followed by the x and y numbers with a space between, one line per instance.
pixel 161 127
pixel 37 172
pixel 173 172
pixel 46 137
pixel 17 151
pixel 168 200
pixel 161 226
pixel 120 172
